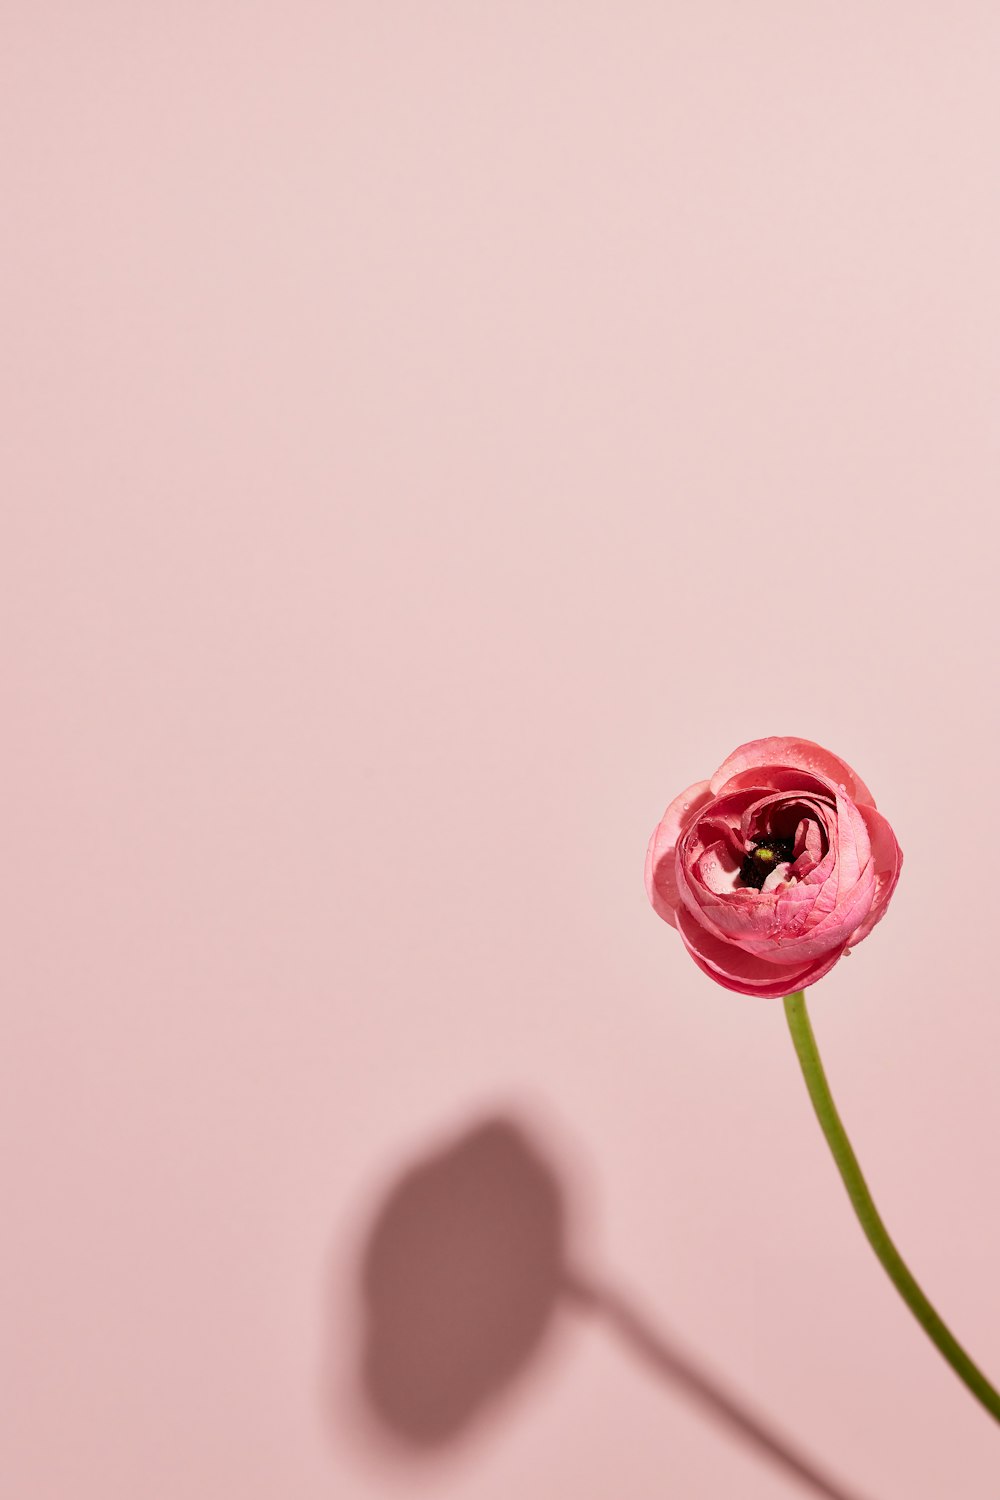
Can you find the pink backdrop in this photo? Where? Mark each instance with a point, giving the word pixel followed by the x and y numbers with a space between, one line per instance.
pixel 436 434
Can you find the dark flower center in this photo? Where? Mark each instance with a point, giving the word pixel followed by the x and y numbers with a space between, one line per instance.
pixel 763 858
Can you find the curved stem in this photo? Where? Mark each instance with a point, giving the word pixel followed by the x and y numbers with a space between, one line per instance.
pixel 871 1222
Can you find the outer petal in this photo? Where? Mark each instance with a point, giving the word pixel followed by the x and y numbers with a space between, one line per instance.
pixel 661 880
pixel 738 970
pixel 786 750
pixel 887 858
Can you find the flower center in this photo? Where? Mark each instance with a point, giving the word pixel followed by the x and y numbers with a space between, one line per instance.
pixel 763 858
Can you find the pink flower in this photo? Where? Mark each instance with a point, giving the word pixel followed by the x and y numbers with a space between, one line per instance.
pixel 776 867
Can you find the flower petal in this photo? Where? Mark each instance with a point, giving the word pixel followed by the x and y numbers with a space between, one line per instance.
pixel 786 750
pixel 887 858
pixel 744 972
pixel 661 881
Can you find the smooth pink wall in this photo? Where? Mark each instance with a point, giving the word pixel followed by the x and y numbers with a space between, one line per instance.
pixel 434 435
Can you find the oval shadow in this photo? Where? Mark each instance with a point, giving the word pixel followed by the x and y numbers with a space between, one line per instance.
pixel 462 1272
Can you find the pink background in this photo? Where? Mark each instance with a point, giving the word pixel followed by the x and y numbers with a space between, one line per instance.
pixel 434 435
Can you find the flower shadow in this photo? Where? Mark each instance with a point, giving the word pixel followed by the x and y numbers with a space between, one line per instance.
pixel 464 1273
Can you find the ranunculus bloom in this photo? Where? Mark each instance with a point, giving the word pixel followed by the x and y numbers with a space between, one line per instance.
pixel 772 870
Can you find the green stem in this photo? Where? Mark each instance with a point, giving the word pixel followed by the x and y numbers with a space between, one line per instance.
pixel 868 1214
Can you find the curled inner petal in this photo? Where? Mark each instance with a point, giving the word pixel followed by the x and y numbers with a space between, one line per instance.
pixel 808 846
pixel 777 878
pixel 718 868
